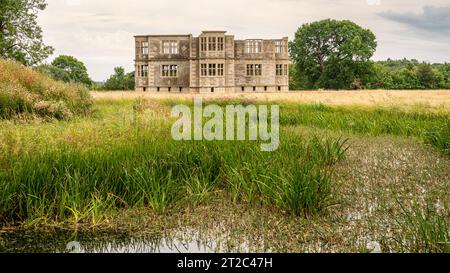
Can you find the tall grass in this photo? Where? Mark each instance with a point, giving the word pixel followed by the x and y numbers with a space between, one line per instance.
pixel 433 128
pixel 25 92
pixel 440 138
pixel 132 161
pixel 425 230
pixel 69 184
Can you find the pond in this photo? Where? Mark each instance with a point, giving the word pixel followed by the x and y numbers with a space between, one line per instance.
pixel 64 241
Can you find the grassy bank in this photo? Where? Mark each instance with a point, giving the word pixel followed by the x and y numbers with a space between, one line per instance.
pixel 26 93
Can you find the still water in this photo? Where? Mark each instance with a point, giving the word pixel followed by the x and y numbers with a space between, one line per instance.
pixel 87 242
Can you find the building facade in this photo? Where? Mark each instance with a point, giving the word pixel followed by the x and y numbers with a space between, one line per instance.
pixel 211 63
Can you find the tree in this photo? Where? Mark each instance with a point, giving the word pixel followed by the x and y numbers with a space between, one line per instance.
pixel 426 75
pixel 20 35
pixel 54 72
pixel 119 80
pixel 332 54
pixel 405 78
pixel 382 78
pixel 75 69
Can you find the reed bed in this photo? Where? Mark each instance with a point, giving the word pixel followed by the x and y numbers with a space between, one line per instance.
pixel 432 128
pixel 121 157
pixel 146 168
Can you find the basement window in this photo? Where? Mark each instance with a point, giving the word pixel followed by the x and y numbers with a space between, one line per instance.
pixel 254 88
pixel 212 89
pixel 265 88
pixel 158 89
pixel 181 89
pixel 170 89
pixel 243 89
pixel 279 88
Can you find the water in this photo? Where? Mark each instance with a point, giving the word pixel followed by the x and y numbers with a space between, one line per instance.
pixel 109 242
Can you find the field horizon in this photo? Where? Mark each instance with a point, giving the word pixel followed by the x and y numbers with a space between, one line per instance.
pixel 424 99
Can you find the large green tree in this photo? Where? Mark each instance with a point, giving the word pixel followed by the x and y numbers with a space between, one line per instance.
pixel 332 54
pixel 119 80
pixel 20 35
pixel 69 69
pixel 54 72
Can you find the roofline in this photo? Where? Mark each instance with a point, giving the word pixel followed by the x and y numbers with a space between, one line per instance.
pixel 207 31
pixel 164 35
pixel 261 39
pixel 214 31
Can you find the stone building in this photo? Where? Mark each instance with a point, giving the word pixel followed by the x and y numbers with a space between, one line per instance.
pixel 211 63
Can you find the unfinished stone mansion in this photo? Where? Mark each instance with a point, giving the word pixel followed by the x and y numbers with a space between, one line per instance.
pixel 211 63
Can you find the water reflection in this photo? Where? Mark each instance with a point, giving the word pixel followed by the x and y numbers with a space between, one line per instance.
pixel 109 242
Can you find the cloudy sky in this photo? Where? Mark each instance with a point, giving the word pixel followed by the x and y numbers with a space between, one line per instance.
pixel 100 33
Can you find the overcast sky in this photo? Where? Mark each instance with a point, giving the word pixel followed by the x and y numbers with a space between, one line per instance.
pixel 100 32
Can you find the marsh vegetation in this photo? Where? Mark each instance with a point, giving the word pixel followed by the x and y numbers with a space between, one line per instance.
pixel 343 177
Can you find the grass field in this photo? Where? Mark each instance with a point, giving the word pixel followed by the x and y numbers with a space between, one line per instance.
pixel 353 169
pixel 419 99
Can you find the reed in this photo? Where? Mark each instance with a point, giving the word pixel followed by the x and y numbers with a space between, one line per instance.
pixel 432 128
pixel 67 183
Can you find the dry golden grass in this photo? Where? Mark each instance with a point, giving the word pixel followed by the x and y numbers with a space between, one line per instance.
pixel 26 94
pixel 427 99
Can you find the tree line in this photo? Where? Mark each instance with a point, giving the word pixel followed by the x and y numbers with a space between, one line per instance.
pixel 69 69
pixel 331 54
pixel 389 74
pixel 327 54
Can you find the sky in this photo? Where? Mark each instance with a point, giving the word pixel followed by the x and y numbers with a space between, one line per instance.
pixel 100 33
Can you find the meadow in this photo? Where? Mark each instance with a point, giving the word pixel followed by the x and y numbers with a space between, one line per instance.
pixel 354 172
pixel 346 175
